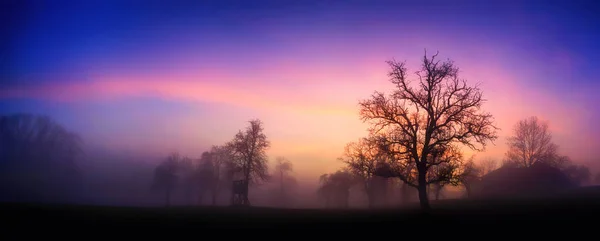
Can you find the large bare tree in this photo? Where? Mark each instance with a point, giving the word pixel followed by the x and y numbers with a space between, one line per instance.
pixel 249 153
pixel 531 142
pixel 419 117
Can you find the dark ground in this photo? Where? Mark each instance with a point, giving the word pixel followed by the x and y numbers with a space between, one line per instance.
pixel 575 214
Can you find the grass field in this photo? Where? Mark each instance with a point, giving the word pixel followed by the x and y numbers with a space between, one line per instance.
pixel 569 209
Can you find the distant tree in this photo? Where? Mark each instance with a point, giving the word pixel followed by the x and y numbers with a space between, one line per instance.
pixel 362 159
pixel 204 175
pixel 38 160
pixel 597 179
pixel 470 175
pixel 249 153
pixel 334 188
pixel 531 142
pixel 165 176
pixel 416 120
pixel 284 179
pixel 221 155
pixel 578 174
pixel 487 165
pixel 187 172
pixel 447 171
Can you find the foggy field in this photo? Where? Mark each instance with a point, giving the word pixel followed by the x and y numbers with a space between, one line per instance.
pixel 558 210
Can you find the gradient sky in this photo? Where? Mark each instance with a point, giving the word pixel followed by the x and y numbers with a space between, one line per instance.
pixel 170 75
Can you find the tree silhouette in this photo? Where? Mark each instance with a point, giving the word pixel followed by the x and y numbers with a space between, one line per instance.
pixel 187 172
pixel 249 152
pixel 471 173
pixel 221 155
pixel 487 165
pixel 578 174
pixel 531 143
pixel 334 188
pixel 416 120
pixel 285 181
pixel 38 160
pixel 166 176
pixel 362 159
pixel 204 178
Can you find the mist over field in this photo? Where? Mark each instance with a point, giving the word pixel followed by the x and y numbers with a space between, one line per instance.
pixel 298 105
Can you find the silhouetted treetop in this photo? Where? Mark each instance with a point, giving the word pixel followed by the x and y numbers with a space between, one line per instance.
pixel 38 159
pixel 532 142
pixel 424 117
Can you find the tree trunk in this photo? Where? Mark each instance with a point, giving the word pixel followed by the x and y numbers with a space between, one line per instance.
pixel 423 200
pixel 246 201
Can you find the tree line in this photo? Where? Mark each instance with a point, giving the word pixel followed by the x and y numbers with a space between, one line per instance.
pixel 415 140
pixel 417 131
pixel 243 158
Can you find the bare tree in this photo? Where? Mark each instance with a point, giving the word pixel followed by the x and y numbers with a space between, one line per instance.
pixel 531 143
pixel 448 171
pixel 487 165
pixel 362 159
pixel 417 119
pixel 470 174
pixel 249 153
pixel 204 175
pixel 335 188
pixel 38 160
pixel 283 168
pixel 189 183
pixel 578 174
pixel 221 155
pixel 165 176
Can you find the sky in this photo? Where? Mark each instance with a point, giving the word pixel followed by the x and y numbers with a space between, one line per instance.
pixel 182 76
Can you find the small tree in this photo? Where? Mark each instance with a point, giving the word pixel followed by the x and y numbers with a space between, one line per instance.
pixel 335 188
pixel 165 176
pixel 187 173
pixel 282 175
pixel 531 143
pixel 362 159
pixel 221 155
pixel 249 153
pixel 414 121
pixel 204 175
pixel 578 174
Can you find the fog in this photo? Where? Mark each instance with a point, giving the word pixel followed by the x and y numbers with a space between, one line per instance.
pixel 42 161
pixel 213 104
